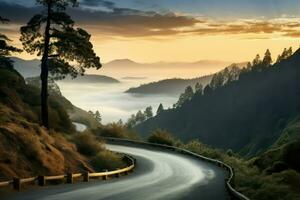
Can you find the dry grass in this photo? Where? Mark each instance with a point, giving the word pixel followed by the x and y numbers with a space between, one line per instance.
pixel 28 150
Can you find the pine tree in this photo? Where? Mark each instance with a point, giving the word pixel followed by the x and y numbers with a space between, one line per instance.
pixel 140 117
pixel 187 95
pixel 267 60
pixel 256 61
pixel 218 79
pixel 52 35
pixel 97 116
pixel 148 112
pixel 160 109
pixel 207 90
pixel 198 88
pixel 289 52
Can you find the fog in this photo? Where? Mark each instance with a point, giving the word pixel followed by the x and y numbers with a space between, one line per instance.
pixel 111 100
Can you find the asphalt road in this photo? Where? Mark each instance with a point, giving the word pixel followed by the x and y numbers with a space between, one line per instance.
pixel 159 174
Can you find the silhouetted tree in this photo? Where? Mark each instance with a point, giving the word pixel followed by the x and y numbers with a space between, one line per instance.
pixel 52 35
pixel 160 109
pixel 218 80
pixel 198 88
pixel 249 66
pixel 256 61
pixel 285 54
pixel 267 60
pixel 131 122
pixel 187 95
pixel 120 122
pixel 97 116
pixel 207 90
pixel 5 48
pixel 148 112
pixel 140 117
pixel 289 52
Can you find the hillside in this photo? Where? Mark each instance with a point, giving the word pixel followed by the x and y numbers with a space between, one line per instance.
pixel 91 78
pixel 247 115
pixel 169 86
pixel 27 149
pixel 76 114
pixel 176 86
pixel 27 68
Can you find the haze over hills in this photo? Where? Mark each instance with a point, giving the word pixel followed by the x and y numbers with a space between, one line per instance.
pixel 175 86
pixel 31 68
pixel 130 63
pixel 247 115
pixel 91 78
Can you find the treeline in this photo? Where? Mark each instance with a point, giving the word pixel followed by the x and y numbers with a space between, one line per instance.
pixel 232 73
pixel 139 117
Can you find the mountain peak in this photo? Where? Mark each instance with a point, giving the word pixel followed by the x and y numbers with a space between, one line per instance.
pixel 122 61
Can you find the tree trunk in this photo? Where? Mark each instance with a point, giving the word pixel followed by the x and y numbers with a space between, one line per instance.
pixel 44 71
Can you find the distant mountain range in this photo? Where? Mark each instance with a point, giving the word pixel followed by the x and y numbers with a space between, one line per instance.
pixel 31 68
pixel 127 63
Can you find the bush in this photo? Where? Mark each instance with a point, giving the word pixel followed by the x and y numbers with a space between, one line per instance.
pixel 88 144
pixel 162 137
pixel 116 130
pixel 107 160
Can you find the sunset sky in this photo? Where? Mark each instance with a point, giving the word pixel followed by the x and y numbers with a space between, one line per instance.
pixel 176 30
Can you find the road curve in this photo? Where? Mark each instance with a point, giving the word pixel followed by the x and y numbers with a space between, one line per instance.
pixel 159 174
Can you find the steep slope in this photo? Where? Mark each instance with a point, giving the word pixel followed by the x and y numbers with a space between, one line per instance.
pixel 26 148
pixel 76 114
pixel 247 115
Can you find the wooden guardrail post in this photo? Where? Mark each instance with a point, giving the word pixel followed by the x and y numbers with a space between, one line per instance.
pixel 117 174
pixel 70 179
pixel 86 177
pixel 105 177
pixel 17 184
pixel 41 180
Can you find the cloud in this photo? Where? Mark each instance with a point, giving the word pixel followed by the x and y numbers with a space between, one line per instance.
pixel 106 4
pixel 127 22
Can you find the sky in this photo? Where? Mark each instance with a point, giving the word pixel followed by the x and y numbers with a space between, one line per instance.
pixel 175 30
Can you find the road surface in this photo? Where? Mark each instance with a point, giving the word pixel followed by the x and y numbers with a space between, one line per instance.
pixel 159 174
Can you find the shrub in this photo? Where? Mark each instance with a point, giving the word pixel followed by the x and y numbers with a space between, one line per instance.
pixel 162 137
pixel 116 130
pixel 88 144
pixel 107 160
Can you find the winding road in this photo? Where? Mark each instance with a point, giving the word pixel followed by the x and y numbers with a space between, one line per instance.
pixel 159 174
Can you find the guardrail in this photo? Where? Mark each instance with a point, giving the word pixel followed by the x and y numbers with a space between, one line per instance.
pixel 235 195
pixel 69 178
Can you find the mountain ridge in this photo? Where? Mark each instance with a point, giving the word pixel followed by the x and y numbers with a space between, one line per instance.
pixel 251 111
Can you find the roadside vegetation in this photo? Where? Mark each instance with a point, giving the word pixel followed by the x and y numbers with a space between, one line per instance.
pixel 99 157
pixel 274 174
pixel 117 130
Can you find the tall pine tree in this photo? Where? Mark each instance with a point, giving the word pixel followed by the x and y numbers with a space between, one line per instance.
pixel 65 50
